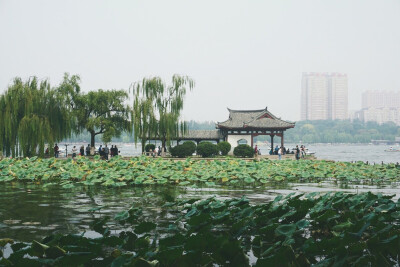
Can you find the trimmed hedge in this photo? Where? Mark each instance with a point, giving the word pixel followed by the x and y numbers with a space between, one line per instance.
pixel 185 150
pixel 207 149
pixel 243 151
pixel 224 147
pixel 149 146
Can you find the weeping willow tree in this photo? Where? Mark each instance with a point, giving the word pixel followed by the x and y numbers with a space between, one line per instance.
pixel 32 114
pixel 157 108
pixel 144 120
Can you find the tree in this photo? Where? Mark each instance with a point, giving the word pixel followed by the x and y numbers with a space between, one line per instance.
pixel 144 121
pixel 98 112
pixel 102 112
pixel 32 114
pixel 157 108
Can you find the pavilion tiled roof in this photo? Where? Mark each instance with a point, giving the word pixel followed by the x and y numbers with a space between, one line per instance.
pixel 202 134
pixel 259 119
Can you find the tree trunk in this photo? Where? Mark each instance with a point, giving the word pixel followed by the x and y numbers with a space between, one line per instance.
pixel 143 141
pixel 92 136
pixel 163 147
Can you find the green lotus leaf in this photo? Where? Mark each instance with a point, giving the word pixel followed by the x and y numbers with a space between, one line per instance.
pixel 162 181
pixel 145 227
pixel 302 224
pixel 184 183
pixel 249 180
pixel 68 186
pixel 54 252
pixel 149 181
pixel 123 215
pixel 210 184
pixel 285 229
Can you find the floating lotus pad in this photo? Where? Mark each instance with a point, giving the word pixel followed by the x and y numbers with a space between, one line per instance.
pixel 147 171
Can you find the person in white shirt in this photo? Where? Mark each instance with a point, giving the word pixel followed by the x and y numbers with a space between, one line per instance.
pixel 74 150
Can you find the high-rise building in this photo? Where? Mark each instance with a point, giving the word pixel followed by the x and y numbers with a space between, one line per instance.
pixel 324 96
pixel 380 99
pixel 380 107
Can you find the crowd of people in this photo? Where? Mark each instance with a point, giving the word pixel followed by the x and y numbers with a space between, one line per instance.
pixel 156 153
pixel 104 152
pixel 300 152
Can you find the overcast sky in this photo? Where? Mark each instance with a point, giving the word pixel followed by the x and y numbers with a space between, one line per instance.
pixel 241 54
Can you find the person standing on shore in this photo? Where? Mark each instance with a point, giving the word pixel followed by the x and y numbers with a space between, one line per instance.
pixel 297 152
pixel 112 151
pixel 88 150
pixel 56 151
pixel 106 152
pixel 74 150
pixel 280 153
pixel 82 151
pixel 255 151
pixel 100 149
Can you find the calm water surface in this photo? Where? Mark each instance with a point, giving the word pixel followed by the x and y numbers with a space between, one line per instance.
pixel 337 152
pixel 29 212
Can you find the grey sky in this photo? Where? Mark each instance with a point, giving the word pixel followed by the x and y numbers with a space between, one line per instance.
pixel 242 54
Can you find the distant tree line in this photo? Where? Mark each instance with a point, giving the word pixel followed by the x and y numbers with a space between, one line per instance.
pixel 341 131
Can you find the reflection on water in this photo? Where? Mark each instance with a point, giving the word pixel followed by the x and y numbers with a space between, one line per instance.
pixel 29 212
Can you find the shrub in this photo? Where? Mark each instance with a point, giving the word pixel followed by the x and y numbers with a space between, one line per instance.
pixel 149 146
pixel 190 146
pixel 185 150
pixel 243 151
pixel 224 147
pixel 207 149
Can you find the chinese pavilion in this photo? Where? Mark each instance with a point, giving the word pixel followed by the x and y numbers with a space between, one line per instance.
pixel 241 127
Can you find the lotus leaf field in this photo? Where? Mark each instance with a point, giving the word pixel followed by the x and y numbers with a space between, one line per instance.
pixel 229 172
pixel 332 229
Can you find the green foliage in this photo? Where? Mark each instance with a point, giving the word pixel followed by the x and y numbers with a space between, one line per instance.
pixel 149 146
pixel 207 149
pixel 322 229
pixel 340 131
pixel 157 108
pixel 224 147
pixel 185 150
pixel 243 151
pixel 32 114
pixel 101 112
pixel 230 172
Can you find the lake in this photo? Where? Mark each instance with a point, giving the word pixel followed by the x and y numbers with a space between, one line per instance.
pixel 337 152
pixel 30 212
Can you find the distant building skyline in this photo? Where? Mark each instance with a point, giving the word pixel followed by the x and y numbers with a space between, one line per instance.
pixel 380 99
pixel 380 106
pixel 324 96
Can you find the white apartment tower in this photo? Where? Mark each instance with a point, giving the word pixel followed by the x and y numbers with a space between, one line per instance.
pixel 324 96
pixel 380 106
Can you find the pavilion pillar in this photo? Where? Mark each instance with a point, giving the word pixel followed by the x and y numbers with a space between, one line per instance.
pixel 272 143
pixel 252 141
pixel 282 140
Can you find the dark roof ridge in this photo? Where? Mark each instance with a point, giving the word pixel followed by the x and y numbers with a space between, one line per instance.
pixel 248 110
